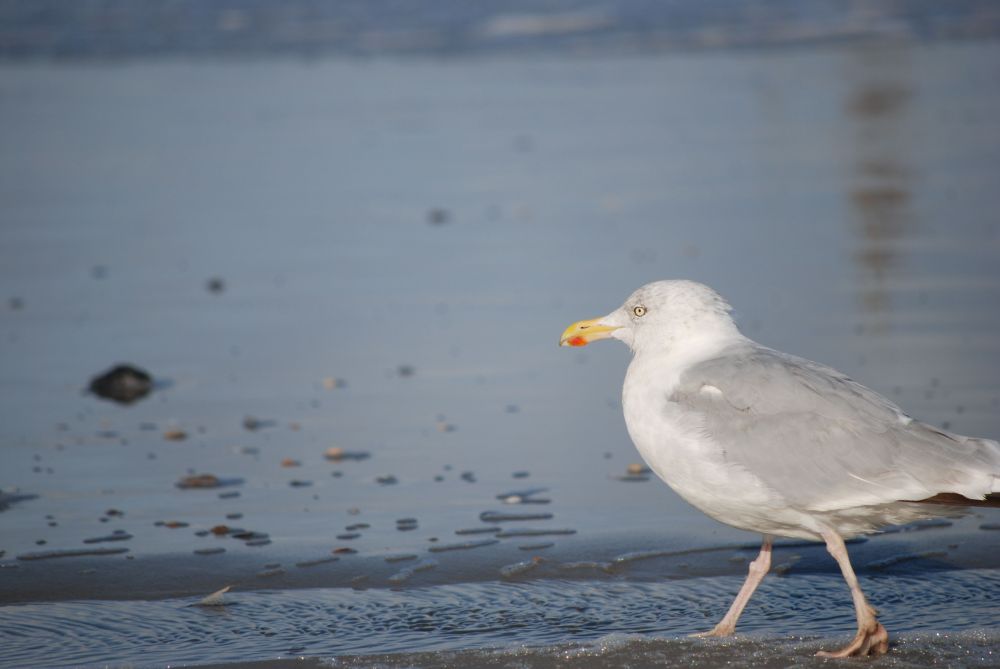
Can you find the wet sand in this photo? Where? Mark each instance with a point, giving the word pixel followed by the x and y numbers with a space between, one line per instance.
pixel 304 292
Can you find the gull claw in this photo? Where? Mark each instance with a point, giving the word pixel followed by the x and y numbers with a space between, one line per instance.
pixel 717 631
pixel 872 640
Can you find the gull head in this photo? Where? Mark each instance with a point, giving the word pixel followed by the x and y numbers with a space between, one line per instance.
pixel 660 316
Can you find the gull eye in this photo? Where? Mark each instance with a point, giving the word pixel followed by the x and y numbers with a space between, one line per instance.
pixel 639 311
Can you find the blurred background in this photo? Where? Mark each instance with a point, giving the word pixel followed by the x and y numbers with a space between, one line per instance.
pixel 364 224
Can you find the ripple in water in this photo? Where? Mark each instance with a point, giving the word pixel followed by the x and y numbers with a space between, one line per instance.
pixel 507 624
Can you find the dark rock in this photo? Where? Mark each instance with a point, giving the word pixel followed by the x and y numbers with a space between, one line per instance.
pixel 215 285
pixel 438 216
pixel 123 384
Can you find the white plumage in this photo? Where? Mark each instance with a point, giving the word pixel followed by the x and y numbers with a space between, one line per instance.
pixel 769 442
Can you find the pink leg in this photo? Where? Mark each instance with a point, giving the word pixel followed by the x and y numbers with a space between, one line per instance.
pixel 758 569
pixel 871 639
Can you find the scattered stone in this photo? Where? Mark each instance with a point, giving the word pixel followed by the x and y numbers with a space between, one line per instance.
pixel 406 524
pixel 636 468
pixel 220 530
pixel 336 453
pixel 465 545
pixel 199 481
pixel 905 557
pixel 631 478
pixel 332 383
pixel 401 557
pixel 358 526
pixel 175 434
pixel 298 483
pixel 290 462
pixel 124 384
pixel 230 494
pixel 215 285
pixel 257 542
pixel 247 535
pixel 233 516
pixel 406 371
pixel 117 535
pixel 209 551
pixel 45 555
pixel 444 426
pixel 542 545
pixel 318 561
pixel 348 536
pixel 387 479
pixel 502 517
pixel 174 524
pixel 523 496
pixel 534 533
pixel 468 477
pixel 520 474
pixel 438 216
pixel 344 550
pixel 114 512
pixel 478 530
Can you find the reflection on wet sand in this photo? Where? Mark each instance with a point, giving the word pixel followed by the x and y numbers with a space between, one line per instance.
pixel 880 186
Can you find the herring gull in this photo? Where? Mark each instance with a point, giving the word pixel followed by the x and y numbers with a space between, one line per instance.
pixel 768 442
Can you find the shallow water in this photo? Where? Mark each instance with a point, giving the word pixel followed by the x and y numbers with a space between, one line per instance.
pixel 344 623
pixel 842 198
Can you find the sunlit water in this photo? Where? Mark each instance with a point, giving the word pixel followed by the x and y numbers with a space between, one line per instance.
pixel 843 199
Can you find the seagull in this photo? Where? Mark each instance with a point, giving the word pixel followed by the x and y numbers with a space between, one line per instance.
pixel 772 443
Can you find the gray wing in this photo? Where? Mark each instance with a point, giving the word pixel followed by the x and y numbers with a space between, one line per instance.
pixel 823 441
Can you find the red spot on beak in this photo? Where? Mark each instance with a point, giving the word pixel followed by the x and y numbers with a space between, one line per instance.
pixel 577 341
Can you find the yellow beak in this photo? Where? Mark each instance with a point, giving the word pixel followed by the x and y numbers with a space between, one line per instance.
pixel 582 333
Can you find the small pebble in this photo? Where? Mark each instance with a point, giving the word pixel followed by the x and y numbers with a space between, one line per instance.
pixel 387 479
pixel 199 481
pixel 215 285
pixel 175 434
pixel 290 462
pixel 344 550
pixel 319 561
pixel 348 536
pixel 215 550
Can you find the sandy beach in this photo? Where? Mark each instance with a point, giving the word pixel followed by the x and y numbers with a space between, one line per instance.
pixel 377 257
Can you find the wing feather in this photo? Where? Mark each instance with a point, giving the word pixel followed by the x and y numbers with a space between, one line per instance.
pixel 824 441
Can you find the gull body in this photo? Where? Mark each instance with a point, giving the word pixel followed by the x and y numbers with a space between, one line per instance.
pixel 768 442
